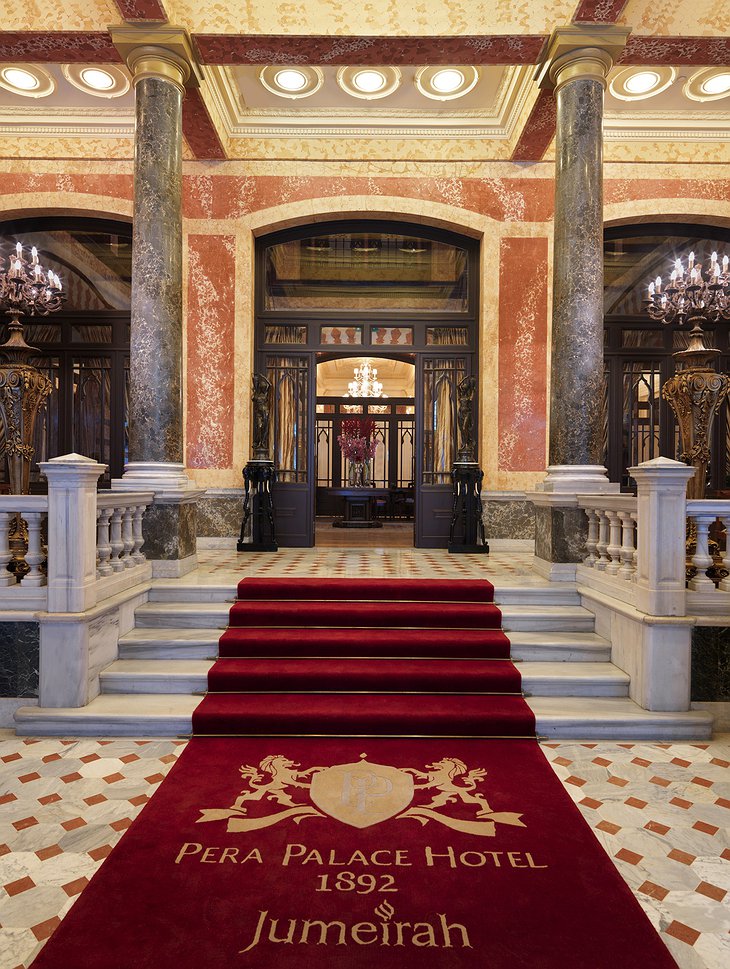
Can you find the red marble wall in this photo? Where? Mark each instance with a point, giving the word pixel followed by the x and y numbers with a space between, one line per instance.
pixel 522 354
pixel 210 343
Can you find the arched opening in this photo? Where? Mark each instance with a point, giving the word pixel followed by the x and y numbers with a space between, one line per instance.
pixel 84 348
pixel 639 425
pixel 386 290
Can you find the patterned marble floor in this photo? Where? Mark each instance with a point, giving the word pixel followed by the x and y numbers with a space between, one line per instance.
pixel 225 565
pixel 660 810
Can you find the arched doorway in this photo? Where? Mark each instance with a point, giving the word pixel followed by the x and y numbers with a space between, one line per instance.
pixel 639 425
pixel 376 289
pixel 85 346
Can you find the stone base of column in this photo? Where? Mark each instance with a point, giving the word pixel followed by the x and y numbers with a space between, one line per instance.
pixel 162 478
pixel 560 533
pixel 170 529
pixel 577 479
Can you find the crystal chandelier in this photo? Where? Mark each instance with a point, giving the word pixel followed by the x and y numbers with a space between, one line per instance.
pixel 366 383
pixel 26 289
pixel 691 297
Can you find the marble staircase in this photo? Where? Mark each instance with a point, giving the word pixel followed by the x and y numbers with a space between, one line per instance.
pixel 568 678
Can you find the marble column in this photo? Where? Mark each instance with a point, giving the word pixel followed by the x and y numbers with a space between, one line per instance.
pixel 576 65
pixel 161 64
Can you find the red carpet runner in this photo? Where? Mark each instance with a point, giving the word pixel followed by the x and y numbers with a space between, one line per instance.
pixel 360 821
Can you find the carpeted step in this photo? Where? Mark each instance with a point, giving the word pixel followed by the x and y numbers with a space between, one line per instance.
pixel 299 613
pixel 363 675
pixel 280 715
pixel 337 642
pixel 414 590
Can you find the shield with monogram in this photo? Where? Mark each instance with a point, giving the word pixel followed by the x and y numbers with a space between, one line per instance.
pixel 361 794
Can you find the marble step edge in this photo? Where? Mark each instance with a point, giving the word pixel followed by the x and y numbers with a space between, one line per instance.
pixel 213 615
pixel 558 718
pixel 526 594
pixel 538 679
pixel 200 644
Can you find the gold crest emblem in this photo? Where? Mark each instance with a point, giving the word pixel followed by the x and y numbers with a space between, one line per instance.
pixel 361 794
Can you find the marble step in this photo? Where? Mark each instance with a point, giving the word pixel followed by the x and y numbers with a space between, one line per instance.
pixel 558 718
pixel 200 644
pixel 526 592
pixel 214 615
pixel 538 679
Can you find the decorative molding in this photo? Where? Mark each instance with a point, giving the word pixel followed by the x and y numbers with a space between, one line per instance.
pixel 700 51
pixel 496 123
pixel 599 11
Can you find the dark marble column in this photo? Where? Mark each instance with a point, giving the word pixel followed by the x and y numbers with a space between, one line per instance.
pixel 576 65
pixel 577 332
pixel 155 401
pixel 161 62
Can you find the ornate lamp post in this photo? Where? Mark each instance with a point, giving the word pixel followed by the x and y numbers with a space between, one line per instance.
pixel 26 289
pixel 696 391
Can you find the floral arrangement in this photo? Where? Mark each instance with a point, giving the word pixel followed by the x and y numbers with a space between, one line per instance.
pixel 357 441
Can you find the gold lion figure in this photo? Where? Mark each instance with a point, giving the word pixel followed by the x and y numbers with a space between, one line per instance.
pixel 441 778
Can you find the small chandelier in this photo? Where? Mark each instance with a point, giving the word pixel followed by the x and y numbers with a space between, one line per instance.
pixel 366 383
pixel 26 289
pixel 690 297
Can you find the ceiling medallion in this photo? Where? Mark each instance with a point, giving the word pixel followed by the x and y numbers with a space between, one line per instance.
pixel 30 81
pixel 445 83
pixel 291 82
pixel 638 83
pixel 101 82
pixel 369 83
pixel 709 84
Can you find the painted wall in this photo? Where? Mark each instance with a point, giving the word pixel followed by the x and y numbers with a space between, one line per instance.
pixel 227 204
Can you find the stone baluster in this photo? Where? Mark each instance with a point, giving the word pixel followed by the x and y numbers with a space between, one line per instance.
pixel 116 541
pixel 35 556
pixel 592 539
pixel 634 519
pixel 128 537
pixel 602 543
pixel 725 583
pixel 103 546
pixel 6 578
pixel 628 549
pixel 702 560
pixel 614 543
pixel 137 554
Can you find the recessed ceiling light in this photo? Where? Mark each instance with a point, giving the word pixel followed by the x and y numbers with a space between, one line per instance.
pixel 447 81
pixel 630 84
pixel 100 82
pixel 717 84
pixel 21 79
pixel 27 80
pixel 709 84
pixel 96 78
pixel 642 82
pixel 369 81
pixel 291 80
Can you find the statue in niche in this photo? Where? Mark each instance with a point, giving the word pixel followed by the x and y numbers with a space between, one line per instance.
pixel 261 398
pixel 465 395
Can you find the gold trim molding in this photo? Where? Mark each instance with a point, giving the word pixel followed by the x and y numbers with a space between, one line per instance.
pixel 162 51
pixel 585 51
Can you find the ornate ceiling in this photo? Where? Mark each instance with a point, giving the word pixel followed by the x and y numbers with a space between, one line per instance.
pixel 504 116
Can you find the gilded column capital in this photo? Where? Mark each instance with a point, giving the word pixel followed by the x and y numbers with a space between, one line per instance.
pixel 158 51
pixel 580 51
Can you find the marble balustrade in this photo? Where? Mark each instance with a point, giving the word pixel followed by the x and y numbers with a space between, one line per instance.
pixel 118 543
pixel 610 563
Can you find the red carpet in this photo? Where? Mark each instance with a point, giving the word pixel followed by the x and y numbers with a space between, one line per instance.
pixel 393 648
pixel 289 851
